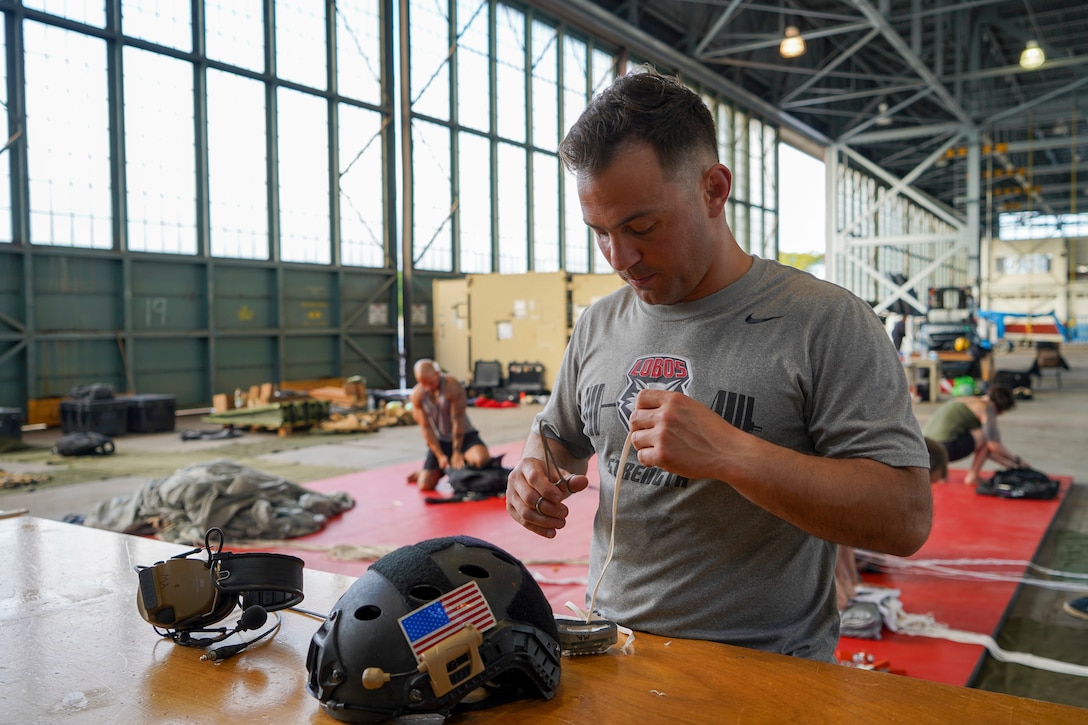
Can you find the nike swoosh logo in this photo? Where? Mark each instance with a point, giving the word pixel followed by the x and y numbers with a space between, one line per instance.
pixel 756 320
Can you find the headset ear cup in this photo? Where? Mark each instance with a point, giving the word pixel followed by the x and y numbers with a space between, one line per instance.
pixel 175 592
pixel 221 609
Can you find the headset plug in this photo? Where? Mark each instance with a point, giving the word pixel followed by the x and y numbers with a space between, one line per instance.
pixel 221 653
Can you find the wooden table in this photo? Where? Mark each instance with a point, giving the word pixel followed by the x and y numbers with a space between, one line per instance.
pixel 75 650
pixel 985 362
pixel 913 364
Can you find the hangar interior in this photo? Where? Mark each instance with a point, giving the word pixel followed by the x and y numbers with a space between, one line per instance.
pixel 203 196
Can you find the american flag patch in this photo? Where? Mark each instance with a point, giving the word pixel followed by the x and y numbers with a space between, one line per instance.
pixel 436 621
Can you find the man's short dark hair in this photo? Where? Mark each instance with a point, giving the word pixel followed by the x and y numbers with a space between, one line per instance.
pixel 641 106
pixel 1001 397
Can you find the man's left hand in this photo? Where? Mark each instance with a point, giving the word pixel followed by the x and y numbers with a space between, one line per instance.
pixel 676 433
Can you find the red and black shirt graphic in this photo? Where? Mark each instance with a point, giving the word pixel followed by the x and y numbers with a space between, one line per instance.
pixel 653 372
pixel 660 372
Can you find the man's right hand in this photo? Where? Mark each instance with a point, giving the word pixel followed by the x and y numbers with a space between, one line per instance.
pixel 535 501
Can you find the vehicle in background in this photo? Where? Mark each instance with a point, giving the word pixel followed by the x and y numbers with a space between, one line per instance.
pixel 951 319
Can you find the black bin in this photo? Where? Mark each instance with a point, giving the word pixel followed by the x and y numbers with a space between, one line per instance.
pixel 487 374
pixel 11 423
pixel 108 416
pixel 525 377
pixel 151 413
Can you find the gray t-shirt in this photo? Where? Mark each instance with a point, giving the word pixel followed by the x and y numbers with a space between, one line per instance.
pixel 780 354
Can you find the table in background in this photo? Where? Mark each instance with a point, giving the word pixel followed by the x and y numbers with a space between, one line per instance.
pixel 77 651
pixel 985 362
pixel 913 364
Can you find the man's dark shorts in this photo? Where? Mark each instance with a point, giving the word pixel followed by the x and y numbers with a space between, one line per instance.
pixel 470 439
pixel 961 447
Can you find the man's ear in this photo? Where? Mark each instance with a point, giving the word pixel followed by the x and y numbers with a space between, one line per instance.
pixel 718 184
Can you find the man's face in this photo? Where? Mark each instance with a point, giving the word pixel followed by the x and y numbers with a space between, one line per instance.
pixel 656 233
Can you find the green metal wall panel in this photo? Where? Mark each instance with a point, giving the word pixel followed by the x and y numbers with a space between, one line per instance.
pixel 66 363
pixel 78 293
pixel 173 367
pixel 311 356
pixel 13 359
pixel 374 357
pixel 371 307
pixel 12 382
pixel 422 318
pixel 168 296
pixel 245 297
pixel 12 309
pixel 244 361
pixel 370 301
pixel 310 299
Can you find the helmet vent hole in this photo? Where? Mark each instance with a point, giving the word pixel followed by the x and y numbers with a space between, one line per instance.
pixel 425 592
pixel 368 612
pixel 476 572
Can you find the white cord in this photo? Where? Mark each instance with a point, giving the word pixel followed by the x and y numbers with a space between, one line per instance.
pixel 952 569
pixel 924 625
pixel 612 535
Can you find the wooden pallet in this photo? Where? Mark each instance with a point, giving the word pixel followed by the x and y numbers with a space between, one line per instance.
pixel 284 417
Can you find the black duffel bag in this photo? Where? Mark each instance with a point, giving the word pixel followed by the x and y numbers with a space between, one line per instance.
pixel 1019 483
pixel 84 444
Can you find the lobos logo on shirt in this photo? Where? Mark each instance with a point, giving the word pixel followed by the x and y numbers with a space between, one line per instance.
pixel 656 372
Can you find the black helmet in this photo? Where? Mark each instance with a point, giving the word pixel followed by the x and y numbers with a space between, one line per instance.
pixel 427 626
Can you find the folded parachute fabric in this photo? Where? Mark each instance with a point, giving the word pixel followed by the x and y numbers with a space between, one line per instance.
pixel 244 502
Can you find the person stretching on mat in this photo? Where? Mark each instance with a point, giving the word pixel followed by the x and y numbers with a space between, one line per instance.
pixel 440 408
pixel 968 426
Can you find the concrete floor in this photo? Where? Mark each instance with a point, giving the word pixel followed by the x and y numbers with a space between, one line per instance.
pixel 1050 432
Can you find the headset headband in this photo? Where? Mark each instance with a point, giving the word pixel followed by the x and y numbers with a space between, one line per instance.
pixel 185 594
pixel 273 581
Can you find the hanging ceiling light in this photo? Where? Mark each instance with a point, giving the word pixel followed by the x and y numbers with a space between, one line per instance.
pixel 1032 56
pixel 793 45
pixel 883 119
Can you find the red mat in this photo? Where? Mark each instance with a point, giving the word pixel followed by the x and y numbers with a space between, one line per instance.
pixel 965 526
pixel 391 513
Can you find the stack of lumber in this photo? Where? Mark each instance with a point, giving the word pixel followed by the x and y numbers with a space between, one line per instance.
pixel 350 395
pixel 258 396
pixel 366 422
pixel 306 404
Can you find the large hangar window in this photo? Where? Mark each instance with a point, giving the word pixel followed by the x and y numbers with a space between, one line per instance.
pixel 488 193
pixel 248 130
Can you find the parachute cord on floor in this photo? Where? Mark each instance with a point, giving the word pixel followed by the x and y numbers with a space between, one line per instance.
pixel 897 619
pixel 967 570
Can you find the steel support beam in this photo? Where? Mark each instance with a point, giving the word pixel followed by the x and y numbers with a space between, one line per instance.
pixel 903 48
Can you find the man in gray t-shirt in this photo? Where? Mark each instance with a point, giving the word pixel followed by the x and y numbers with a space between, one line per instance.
pixel 752 417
